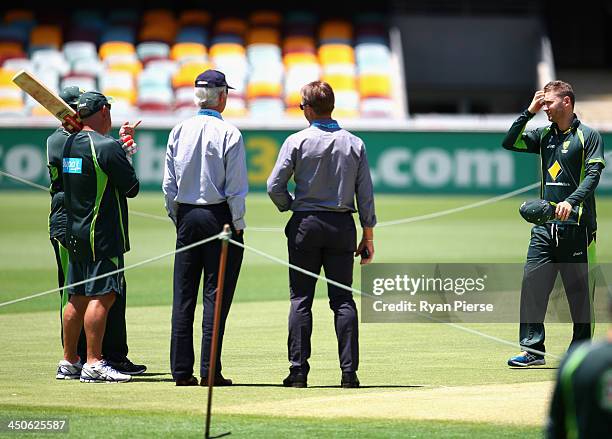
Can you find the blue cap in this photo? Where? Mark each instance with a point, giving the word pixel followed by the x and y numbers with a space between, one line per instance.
pixel 211 79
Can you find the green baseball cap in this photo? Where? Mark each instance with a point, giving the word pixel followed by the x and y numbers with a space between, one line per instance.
pixel 91 102
pixel 71 95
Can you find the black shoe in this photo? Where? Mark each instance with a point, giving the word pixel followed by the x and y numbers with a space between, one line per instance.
pixel 220 381
pixel 191 381
pixel 349 380
pixel 127 367
pixel 295 379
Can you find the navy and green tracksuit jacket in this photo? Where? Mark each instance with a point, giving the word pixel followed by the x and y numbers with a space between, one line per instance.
pixel 571 164
pixel 55 150
pixel 97 179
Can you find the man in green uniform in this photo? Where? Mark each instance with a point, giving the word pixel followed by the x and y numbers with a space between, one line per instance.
pixel 97 177
pixel 581 406
pixel 572 159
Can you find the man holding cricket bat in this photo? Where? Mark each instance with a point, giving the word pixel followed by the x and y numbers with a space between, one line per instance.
pixel 97 177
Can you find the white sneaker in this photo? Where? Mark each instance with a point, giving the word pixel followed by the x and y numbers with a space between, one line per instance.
pixel 68 371
pixel 101 372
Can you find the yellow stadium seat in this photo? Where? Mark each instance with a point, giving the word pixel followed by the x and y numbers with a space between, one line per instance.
pixel 263 35
pixel 336 54
pixel 40 111
pixel 345 113
pixel 11 103
pixel 121 94
pixel 46 35
pixel 265 18
pixel 194 17
pixel 134 67
pixel 294 112
pixel 6 78
pixel 187 74
pixel 371 85
pixel 299 44
pixel 18 15
pixel 187 50
pixel 116 48
pixel 340 82
pixel 226 49
pixel 293 99
pixel 263 89
pixel 291 59
pixel 336 29
pixel 231 25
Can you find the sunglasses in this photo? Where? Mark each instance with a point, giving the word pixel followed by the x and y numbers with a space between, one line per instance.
pixel 303 105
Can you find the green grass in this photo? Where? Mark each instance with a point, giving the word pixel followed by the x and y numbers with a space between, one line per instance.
pixel 396 359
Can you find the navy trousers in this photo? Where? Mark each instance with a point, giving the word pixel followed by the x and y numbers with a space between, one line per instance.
pixel 328 240
pixel 195 223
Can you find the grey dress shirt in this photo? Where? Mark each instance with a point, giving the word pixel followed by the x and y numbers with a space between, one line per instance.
pixel 330 169
pixel 206 164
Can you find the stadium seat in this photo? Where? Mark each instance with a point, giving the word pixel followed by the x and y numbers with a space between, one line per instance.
pixel 373 58
pixel 335 31
pixel 155 98
pixel 194 17
pixel 13 15
pixel 124 17
pixel 376 107
pixel 118 34
pixel 299 44
pixel 236 105
pixel 11 106
pixel 87 67
pixel 165 67
pixel 116 48
pixel 336 54
pixel 184 98
pixel 263 35
pixel 16 64
pixel 80 50
pixel 117 80
pixel 374 85
pixel 191 34
pixel 231 25
pixel 46 36
pixel 150 50
pixel 265 18
pixel 157 16
pixel 189 52
pixel 158 31
pixel 186 74
pixel 50 60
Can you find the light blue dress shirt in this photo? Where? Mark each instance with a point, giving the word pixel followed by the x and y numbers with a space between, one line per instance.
pixel 206 164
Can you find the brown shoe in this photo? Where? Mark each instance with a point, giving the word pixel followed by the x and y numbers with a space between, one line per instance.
pixel 219 381
pixel 191 381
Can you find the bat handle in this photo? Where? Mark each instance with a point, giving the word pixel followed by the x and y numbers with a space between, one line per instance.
pixel 73 123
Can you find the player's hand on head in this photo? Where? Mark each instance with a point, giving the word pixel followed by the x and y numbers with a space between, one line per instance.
pixel 537 102
pixel 563 211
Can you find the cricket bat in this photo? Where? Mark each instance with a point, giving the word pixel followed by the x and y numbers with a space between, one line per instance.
pixel 49 100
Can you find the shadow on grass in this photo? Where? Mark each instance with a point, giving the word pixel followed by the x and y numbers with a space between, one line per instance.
pixel 533 368
pixel 382 386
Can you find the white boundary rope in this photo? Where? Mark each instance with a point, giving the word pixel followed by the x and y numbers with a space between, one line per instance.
pixel 129 267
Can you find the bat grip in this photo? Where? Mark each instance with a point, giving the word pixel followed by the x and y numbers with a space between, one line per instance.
pixel 73 122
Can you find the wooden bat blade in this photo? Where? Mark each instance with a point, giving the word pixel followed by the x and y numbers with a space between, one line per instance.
pixel 47 98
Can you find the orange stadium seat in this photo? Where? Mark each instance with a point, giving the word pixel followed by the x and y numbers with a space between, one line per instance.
pixel 263 35
pixel 336 30
pixel 13 15
pixel 299 44
pixel 265 18
pixel 157 16
pixel 231 25
pixel 224 49
pixel 11 50
pixel 165 32
pixel 46 36
pixel 195 17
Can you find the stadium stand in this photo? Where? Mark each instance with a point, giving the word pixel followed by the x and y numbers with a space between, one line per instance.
pixel 147 59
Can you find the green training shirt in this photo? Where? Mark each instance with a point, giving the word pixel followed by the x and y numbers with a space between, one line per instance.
pixel 581 405
pixel 97 179
pixel 571 163
pixel 55 149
